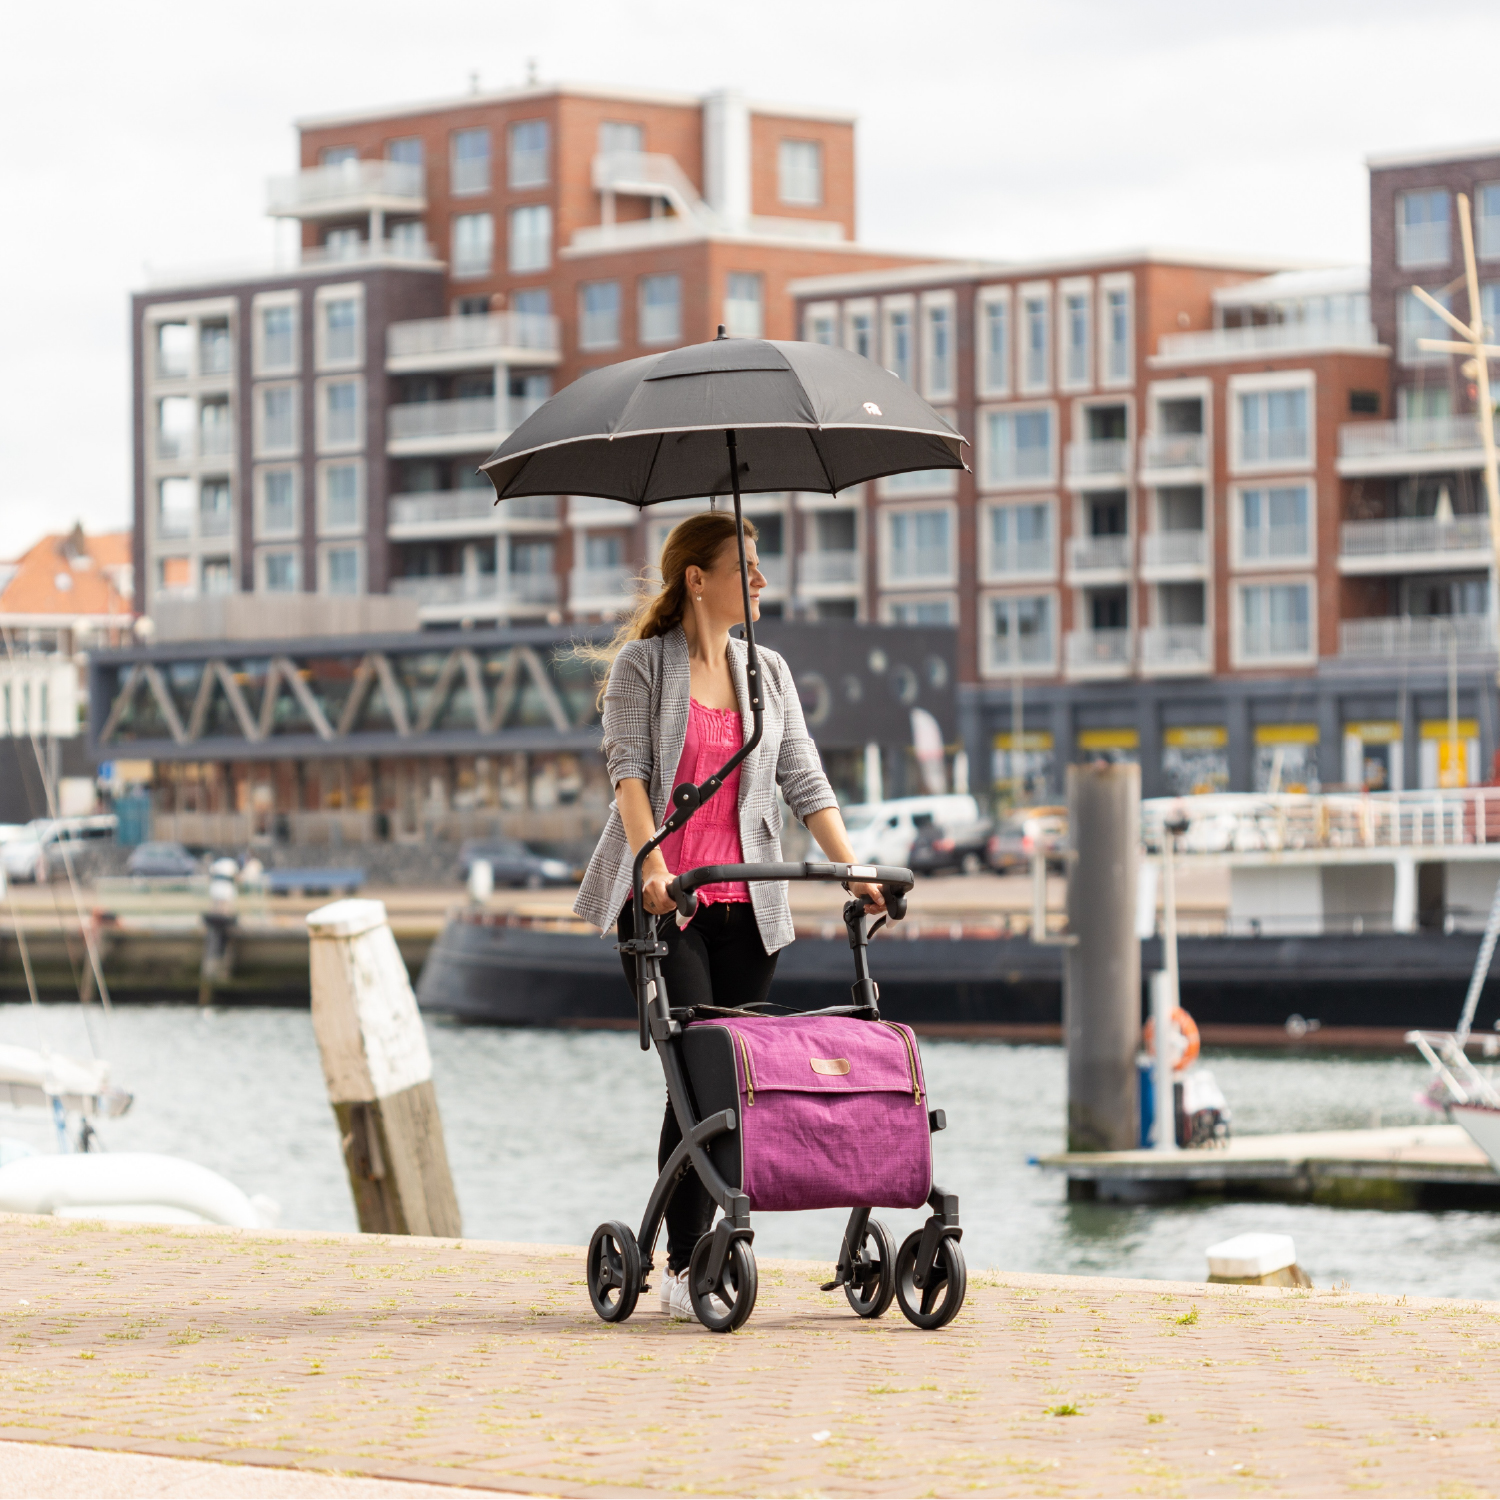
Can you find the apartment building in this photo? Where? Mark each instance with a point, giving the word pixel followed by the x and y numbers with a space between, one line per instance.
pixel 317 427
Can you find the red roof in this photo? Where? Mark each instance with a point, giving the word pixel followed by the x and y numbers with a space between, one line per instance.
pixel 70 575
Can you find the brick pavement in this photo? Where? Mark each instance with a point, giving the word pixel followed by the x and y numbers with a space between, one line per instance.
pixel 482 1365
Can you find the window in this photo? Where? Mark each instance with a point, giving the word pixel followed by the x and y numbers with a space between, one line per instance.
pixel 534 302
pixel 174 427
pixel 530 243
pixel 862 333
pixel 532 559
pixel 1076 338
pixel 603 551
pixel 620 139
pixel 898 343
pixel 278 419
pixel 174 574
pixel 340 413
pixel 213 348
pixel 174 349
pixel 215 577
pixel 278 339
pixel 1422 228
pixel 407 150
pixel 1116 334
pixel 408 241
pixel 214 517
pixel 1487 221
pixel 743 311
pixel 336 156
pixel 919 545
pixel 174 508
pixel 1273 426
pixel 661 309
pixel 528 154
pixel 820 328
pixel 342 244
pixel 279 572
pixel 599 315
pixel 471 161
pixel 1035 361
pixel 341 331
pixel 799 167
pixel 341 570
pixel 1275 621
pixel 938 354
pixel 994 345
pixel 278 502
pixel 1418 321
pixel 1489 308
pixel 1018 446
pixel 341 508
pixel 1020 632
pixel 473 244
pixel 919 611
pixel 1273 524
pixel 1020 539
pixel 213 429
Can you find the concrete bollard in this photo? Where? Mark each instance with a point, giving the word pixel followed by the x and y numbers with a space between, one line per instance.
pixel 379 1073
pixel 1102 974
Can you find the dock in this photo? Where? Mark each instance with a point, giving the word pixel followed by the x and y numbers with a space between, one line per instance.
pixel 1418 1166
pixel 482 1366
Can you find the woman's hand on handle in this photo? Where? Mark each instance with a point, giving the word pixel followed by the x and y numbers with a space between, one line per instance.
pixel 827 827
pixel 654 891
pixel 635 813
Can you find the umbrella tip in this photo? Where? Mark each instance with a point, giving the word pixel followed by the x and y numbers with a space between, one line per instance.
pixel 722 334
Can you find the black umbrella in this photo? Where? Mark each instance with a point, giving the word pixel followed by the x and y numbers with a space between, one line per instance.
pixel 727 417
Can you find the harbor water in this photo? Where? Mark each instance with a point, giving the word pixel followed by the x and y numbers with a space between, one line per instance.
pixel 550 1132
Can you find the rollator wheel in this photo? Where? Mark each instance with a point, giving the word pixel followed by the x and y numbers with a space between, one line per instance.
pixel 939 1301
pixel 872 1282
pixel 614 1270
pixel 733 1300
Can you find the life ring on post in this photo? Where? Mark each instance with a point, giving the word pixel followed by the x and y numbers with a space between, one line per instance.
pixel 1187 1029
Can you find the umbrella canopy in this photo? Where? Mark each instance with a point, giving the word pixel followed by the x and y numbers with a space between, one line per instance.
pixel 804 417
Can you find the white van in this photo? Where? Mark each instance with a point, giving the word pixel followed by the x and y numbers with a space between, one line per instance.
pixel 881 833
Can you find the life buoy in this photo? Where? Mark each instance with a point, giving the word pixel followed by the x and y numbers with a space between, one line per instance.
pixel 1187 1029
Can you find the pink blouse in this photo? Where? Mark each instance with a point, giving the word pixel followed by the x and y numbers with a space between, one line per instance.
pixel 712 835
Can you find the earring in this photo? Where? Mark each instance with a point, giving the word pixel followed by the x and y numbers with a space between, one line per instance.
pixel 699 598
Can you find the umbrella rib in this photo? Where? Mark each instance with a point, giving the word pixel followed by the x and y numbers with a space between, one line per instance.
pixel 661 437
pixel 812 439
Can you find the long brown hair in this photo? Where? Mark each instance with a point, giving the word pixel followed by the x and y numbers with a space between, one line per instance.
pixel 693 542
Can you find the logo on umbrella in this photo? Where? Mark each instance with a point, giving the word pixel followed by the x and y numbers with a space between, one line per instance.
pixel 873 410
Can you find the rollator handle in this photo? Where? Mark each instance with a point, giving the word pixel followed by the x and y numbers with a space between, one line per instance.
pixel 894 880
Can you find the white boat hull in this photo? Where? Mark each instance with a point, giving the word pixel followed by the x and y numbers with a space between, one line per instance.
pixel 1483 1124
pixel 125 1184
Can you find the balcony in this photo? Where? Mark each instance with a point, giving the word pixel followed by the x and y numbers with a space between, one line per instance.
pixel 1311 337
pixel 454 596
pixel 1404 636
pixel 1173 457
pixel 455 426
pixel 602 590
pixel 1416 544
pixel 1411 447
pixel 347 189
pixel 508 338
pixel 1099 557
pixel 1170 555
pixel 1103 464
pixel 1099 653
pixel 828 572
pixel 773 567
pixel 1423 244
pixel 1035 654
pixel 1177 648
pixel 459 513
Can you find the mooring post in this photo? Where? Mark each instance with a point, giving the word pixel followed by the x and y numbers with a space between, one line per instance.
pixel 379 1073
pixel 1102 974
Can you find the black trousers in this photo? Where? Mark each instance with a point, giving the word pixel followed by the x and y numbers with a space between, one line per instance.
pixel 718 959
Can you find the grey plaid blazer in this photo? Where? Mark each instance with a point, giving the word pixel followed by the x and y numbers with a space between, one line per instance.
pixel 645 724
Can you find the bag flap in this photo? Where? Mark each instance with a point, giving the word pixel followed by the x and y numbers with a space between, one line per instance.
pixel 827 1054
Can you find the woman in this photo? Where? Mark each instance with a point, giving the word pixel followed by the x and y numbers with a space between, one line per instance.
pixel 675 709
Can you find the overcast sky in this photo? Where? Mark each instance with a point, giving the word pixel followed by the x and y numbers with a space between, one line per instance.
pixel 141 134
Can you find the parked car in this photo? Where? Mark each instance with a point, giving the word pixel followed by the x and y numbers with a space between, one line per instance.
pixel 35 853
pixel 512 863
pixel 1012 844
pixel 937 848
pixel 882 833
pixel 163 861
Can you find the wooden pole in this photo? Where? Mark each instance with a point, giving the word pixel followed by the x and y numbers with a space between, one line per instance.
pixel 379 1073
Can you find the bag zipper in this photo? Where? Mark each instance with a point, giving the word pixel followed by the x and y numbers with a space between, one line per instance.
pixel 911 1058
pixel 749 1075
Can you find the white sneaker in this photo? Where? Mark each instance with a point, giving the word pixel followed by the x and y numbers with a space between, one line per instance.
pixel 675 1302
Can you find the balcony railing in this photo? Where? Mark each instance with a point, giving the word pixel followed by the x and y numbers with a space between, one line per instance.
pixel 1183 646
pixel 773 567
pixel 1394 439
pixel 921 565
pixel 174 445
pixel 1276 638
pixel 1174 549
pixel 1282 444
pixel 615 583
pixel 1107 458
pixel 478 588
pixel 360 184
pixel 1268 338
pixel 1033 650
pixel 455 507
pixel 1096 554
pixel 1174 450
pixel 1415 635
pixel 1098 649
pixel 214 522
pixel 817 569
pixel 507 330
pixel 1413 536
pixel 215 439
pixel 472 414
pixel 1273 543
pixel 1423 244
pixel 1032 556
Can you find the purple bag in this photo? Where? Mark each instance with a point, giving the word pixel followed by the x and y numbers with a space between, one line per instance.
pixel 831 1111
